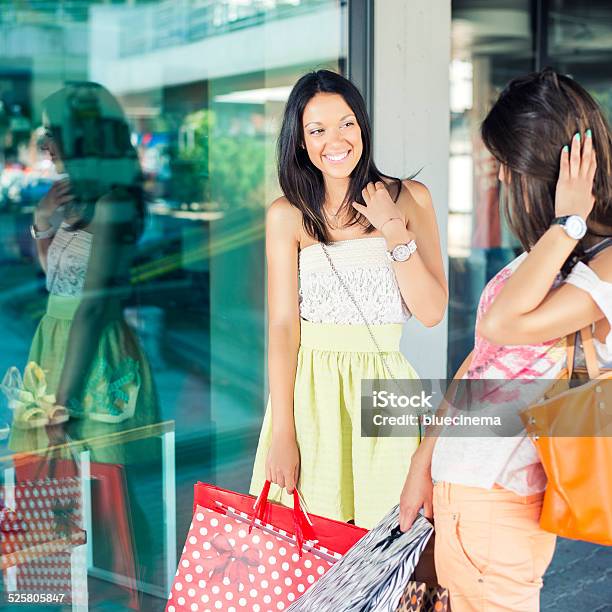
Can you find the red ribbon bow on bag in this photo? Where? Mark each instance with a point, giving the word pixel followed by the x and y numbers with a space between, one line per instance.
pixel 230 562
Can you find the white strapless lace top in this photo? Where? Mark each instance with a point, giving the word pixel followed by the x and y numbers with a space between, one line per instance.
pixel 363 265
pixel 67 260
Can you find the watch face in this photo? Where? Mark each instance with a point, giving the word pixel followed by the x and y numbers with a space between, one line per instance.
pixel 401 252
pixel 575 227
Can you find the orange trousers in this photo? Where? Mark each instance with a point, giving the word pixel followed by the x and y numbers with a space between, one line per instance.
pixel 490 551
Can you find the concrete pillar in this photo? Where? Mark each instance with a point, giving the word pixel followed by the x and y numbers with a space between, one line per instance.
pixel 412 127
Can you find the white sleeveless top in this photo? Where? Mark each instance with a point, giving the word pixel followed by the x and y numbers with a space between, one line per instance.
pixel 67 260
pixel 364 267
pixel 586 279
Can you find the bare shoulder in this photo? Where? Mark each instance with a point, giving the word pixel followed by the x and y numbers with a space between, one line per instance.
pixel 282 212
pixel 284 218
pixel 117 206
pixel 417 192
pixel 414 199
pixel 602 265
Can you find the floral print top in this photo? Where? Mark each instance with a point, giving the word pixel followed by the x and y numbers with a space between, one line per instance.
pixel 504 456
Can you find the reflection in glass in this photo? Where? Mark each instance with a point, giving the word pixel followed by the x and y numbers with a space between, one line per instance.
pixel 87 376
pixel 580 45
pixel 491 44
pixel 202 86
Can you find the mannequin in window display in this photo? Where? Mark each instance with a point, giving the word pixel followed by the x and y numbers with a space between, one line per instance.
pixel 86 369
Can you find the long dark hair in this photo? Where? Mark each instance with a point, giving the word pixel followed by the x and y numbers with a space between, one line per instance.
pixel 302 182
pixel 533 118
pixel 89 126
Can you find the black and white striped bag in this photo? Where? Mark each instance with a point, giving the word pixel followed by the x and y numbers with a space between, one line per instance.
pixel 373 574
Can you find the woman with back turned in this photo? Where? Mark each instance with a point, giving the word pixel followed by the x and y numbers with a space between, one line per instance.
pixel 555 153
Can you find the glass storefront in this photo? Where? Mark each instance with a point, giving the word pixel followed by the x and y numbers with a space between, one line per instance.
pixel 579 43
pixel 183 103
pixel 493 42
pixel 174 108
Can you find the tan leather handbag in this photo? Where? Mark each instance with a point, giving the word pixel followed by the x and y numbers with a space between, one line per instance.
pixel 572 431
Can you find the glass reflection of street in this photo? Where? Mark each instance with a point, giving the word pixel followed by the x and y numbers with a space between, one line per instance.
pixel 193 292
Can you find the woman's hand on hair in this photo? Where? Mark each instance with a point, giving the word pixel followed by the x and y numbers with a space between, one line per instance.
pixel 574 194
pixel 380 210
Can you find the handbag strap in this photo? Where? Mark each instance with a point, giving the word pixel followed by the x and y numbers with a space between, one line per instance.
pixel 588 348
pixel 570 350
pixel 586 334
pixel 368 326
pixel 590 355
pixel 598 248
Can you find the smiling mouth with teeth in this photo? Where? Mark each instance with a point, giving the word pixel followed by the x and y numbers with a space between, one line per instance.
pixel 337 158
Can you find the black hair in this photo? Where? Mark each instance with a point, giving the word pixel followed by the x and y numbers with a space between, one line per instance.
pixel 301 181
pixel 533 118
pixel 93 136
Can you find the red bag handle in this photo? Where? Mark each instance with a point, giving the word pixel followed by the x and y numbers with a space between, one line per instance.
pixel 301 521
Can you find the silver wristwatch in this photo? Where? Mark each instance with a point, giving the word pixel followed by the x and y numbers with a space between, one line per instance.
pixel 402 252
pixel 38 235
pixel 574 226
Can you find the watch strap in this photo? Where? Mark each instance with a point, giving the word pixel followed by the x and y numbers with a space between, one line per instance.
pixel 560 220
pixel 38 235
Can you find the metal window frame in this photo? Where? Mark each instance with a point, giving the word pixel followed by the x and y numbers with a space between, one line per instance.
pixel 540 15
pixel 360 61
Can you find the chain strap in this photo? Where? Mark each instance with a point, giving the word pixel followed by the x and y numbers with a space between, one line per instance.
pixel 367 324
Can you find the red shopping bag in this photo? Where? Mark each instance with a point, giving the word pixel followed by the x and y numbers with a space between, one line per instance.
pixel 111 516
pixel 243 553
pixel 48 524
pixel 47 505
pixel 334 535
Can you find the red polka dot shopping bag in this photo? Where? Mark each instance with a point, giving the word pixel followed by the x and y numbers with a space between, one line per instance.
pixel 247 554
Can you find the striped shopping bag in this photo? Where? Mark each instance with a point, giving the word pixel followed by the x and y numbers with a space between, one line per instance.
pixel 374 573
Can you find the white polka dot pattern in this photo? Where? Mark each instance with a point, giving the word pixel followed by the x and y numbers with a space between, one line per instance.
pixel 237 571
pixel 38 536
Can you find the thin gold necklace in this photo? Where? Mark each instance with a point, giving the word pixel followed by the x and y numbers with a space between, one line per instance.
pixel 334 216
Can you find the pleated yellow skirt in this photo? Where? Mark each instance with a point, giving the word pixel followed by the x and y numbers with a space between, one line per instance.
pixel 343 475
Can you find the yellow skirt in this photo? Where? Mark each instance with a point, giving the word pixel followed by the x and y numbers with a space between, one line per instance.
pixel 118 355
pixel 343 475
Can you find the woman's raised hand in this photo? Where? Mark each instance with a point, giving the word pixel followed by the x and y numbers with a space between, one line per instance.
pixel 379 208
pixel 574 194
pixel 57 196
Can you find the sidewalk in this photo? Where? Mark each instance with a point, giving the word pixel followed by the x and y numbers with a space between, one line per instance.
pixel 579 578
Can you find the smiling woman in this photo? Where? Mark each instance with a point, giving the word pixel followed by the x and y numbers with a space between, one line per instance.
pixel 333 145
pixel 325 143
pixel 344 274
pixel 342 150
